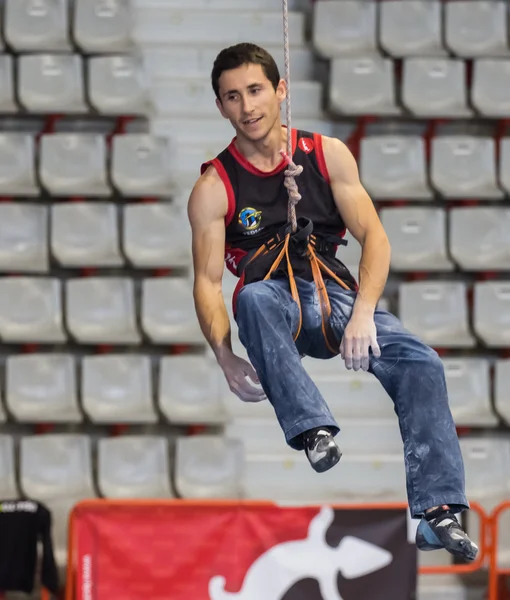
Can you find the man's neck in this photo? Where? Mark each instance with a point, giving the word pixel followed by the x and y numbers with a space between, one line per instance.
pixel 264 154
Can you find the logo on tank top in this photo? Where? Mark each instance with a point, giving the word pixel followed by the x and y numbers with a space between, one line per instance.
pixel 250 219
pixel 306 144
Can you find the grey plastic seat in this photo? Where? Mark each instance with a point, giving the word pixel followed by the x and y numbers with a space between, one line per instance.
pixel 504 164
pixel 437 312
pixel 435 87
pixel 74 164
pixel 480 238
pixel 117 388
pixel 7 95
pixel 17 165
pixel 168 314
pixel 23 237
pixel 118 85
pixel 142 165
pixel 465 167
pixel 134 466
pixel 51 83
pixel 102 310
pixel 31 310
pixel 41 26
pixel 345 28
pixel 208 466
pixel 476 28
pixel 418 239
pixel 85 234
pixel 490 313
pixel 103 27
pixel 411 28
pixel 363 86
pixel 8 487
pixel 490 93
pixel 501 387
pixel 156 235
pixel 394 167
pixel 42 388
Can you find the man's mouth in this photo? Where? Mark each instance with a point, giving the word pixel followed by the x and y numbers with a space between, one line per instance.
pixel 251 121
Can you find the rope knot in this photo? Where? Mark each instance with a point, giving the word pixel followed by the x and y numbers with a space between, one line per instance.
pixel 291 172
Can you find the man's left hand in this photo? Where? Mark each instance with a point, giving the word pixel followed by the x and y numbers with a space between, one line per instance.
pixel 359 336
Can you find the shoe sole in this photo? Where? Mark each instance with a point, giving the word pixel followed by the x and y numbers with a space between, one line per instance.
pixel 329 461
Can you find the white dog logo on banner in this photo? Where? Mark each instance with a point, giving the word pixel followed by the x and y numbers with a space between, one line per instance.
pixel 274 573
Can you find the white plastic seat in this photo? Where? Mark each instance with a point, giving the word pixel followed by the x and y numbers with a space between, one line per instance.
pixel 134 466
pixel 37 26
pixel 141 165
pixel 480 238
pixel 435 87
pixel 31 310
pixel 51 83
pixel 85 234
pixel 8 487
pixel 490 93
pixel 42 388
pixel 492 313
pixel 464 167
pixel 117 388
pixel 476 28
pixel 102 310
pixel 411 28
pixel 118 85
pixel 362 86
pixel 168 314
pixel 7 96
pixel 17 165
pixel 189 389
pixel 393 167
pixel 418 238
pixel 103 27
pixel 437 312
pixel 504 164
pixel 468 384
pixel 208 466
pixel 346 28
pixel 156 235
pixel 502 387
pixel 23 237
pixel 74 164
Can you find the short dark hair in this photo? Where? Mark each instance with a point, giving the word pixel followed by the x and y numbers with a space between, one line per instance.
pixel 243 54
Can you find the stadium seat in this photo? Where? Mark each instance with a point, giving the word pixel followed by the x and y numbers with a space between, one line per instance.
pixel 156 235
pixel 437 312
pixel 23 237
pixel 435 87
pixel 189 389
pixel 362 86
pixel 3 415
pixel 394 167
pixel 102 310
pixel 411 28
pixel 85 234
pixel 52 83
pixel 468 384
pixel 350 255
pixel 31 310
pixel 17 165
pixel 465 167
pixel 142 165
pixel 502 388
pixel 168 314
pixel 490 312
pixel 74 164
pixel 42 388
pixel 504 164
pixel 490 93
pixel 8 487
pixel 480 238
pixel 7 96
pixel 476 28
pixel 345 28
pixel 418 238
pixel 118 85
pixel 208 466
pixel 37 26
pixel 118 388
pixel 103 27
pixel 134 466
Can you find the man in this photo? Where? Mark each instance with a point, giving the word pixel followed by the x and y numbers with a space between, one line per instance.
pixel 238 205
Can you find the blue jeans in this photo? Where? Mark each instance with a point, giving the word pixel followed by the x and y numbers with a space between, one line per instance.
pixel 411 373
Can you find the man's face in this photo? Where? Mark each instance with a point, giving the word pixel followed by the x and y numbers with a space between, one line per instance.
pixel 249 101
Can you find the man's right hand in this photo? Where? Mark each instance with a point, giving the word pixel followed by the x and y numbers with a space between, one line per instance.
pixel 237 371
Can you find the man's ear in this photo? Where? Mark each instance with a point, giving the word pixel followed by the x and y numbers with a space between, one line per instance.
pixel 281 91
pixel 220 108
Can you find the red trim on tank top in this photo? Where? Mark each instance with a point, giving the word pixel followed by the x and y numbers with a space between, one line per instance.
pixel 232 148
pixel 217 164
pixel 321 161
